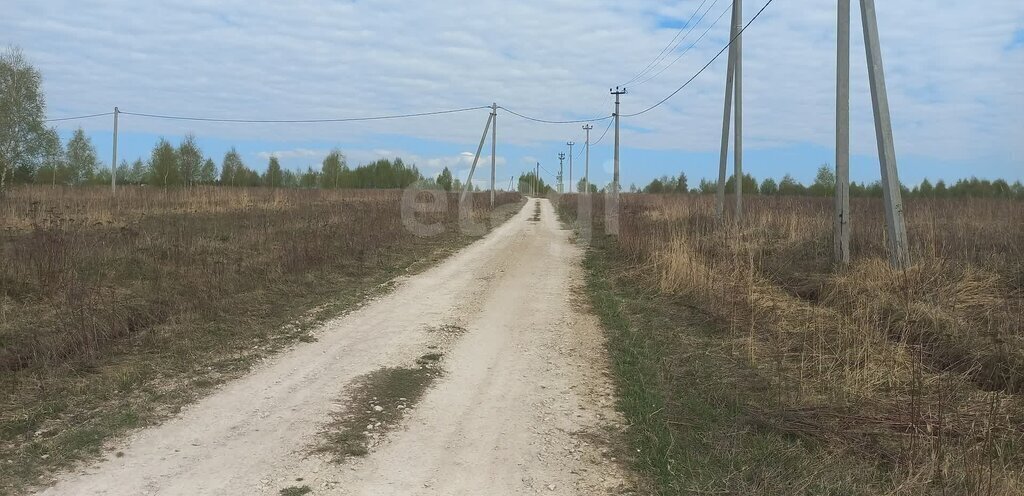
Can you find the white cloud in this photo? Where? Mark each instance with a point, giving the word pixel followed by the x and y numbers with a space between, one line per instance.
pixel 298 153
pixel 954 86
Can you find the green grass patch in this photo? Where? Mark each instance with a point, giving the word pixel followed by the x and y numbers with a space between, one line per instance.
pixel 376 405
pixel 296 491
pixel 689 401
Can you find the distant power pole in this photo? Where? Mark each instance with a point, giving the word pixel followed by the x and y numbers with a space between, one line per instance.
pixel 615 175
pixel 570 164
pixel 476 158
pixel 586 167
pixel 494 144
pixel 561 170
pixel 113 162
pixel 536 180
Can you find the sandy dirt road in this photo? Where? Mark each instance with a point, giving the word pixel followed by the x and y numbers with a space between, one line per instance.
pixel 522 407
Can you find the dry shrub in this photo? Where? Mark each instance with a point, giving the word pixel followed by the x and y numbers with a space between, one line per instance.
pixel 81 268
pixel 113 309
pixel 919 370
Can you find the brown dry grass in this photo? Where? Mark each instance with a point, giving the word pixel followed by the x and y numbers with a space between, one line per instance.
pixel 917 371
pixel 115 312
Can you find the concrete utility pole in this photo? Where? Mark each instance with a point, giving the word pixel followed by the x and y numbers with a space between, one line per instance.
pixel 615 176
pixel 570 165
pixel 472 169
pixel 494 144
pixel 723 158
pixel 113 162
pixel 586 167
pixel 561 171
pixel 536 180
pixel 737 15
pixel 899 255
pixel 841 231
pixel 733 93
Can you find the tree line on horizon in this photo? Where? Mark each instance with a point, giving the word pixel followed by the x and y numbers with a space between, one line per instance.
pixel 825 183
pixel 185 165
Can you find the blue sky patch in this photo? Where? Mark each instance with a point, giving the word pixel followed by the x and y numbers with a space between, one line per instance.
pixel 669 22
pixel 1018 40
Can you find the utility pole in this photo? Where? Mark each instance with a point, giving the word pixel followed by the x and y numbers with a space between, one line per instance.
pixel 737 6
pixel 494 145
pixel 571 143
pixel 586 167
pixel 897 229
pixel 841 231
pixel 723 158
pixel 615 176
pixel 536 180
pixel 733 92
pixel 476 158
pixel 561 168
pixel 113 162
pixel 510 182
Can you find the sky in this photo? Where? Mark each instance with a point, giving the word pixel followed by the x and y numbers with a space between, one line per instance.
pixel 953 69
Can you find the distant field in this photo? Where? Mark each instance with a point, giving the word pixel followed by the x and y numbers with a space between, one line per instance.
pixel 116 312
pixel 750 364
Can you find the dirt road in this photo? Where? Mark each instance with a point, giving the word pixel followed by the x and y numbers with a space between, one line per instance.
pixel 522 405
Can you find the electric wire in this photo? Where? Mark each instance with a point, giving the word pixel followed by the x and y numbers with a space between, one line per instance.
pixel 592 143
pixel 701 71
pixel 669 48
pixel 687 49
pixel 77 117
pixel 304 121
pixel 552 174
pixel 546 121
pixel 604 133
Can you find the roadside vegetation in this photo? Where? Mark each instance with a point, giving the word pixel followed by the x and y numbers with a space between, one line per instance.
pixel 749 364
pixel 116 311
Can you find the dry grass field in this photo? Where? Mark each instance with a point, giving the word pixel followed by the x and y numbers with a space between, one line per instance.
pixel 115 312
pixel 821 379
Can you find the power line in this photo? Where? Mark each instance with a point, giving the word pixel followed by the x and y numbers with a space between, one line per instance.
pixel 303 121
pixel 592 143
pixel 545 121
pixel 669 48
pixel 314 121
pixel 677 59
pixel 546 171
pixel 579 138
pixel 606 129
pixel 90 116
pixel 701 71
